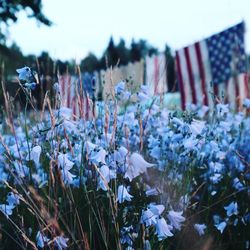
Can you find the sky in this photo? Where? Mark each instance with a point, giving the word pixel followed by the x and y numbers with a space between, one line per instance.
pixel 83 26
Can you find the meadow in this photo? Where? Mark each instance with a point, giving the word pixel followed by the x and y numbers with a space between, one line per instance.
pixel 136 176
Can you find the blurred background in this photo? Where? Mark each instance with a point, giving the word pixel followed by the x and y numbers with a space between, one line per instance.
pixel 55 36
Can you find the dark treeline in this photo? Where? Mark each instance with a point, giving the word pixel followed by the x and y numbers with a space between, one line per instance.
pixel 114 54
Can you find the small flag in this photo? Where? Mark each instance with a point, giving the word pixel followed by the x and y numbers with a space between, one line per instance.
pixel 156 74
pixel 216 65
pixel 75 97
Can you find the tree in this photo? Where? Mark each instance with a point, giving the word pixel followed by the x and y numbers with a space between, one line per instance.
pixel 46 64
pixel 110 55
pixel 172 86
pixel 10 8
pixel 123 52
pixel 135 51
pixel 141 49
pixel 89 63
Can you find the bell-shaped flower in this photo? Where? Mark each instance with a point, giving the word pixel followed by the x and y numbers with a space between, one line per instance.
pixel 148 218
pixel 190 143
pixel 142 97
pixel 231 209
pixel 64 162
pixel 200 228
pixel 202 111
pixel 146 245
pixel 152 192
pixel 221 226
pixel 130 120
pixel 123 194
pixel 246 103
pixel 137 165
pixel 98 156
pixel 215 178
pixel 145 89
pixel 6 209
pixel 120 154
pixel 70 127
pixel 90 146
pixel 13 199
pixel 64 112
pixel 24 74
pixel 41 239
pixel 65 165
pixel 125 96
pixel 156 152
pixel 61 242
pixel 120 87
pixel 215 167
pixel 178 121
pixel 196 127
pixel 176 219
pixel 127 236
pixel 156 209
pixel 35 154
pixel 163 229
pixel 237 184
pixel 222 109
pixel 31 85
pixel 106 175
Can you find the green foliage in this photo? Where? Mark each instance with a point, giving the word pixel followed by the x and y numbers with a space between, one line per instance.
pixel 172 84
pixel 9 10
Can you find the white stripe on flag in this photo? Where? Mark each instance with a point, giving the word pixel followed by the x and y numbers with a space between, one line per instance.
pixel 207 71
pixel 185 79
pixel 163 86
pixel 231 93
pixel 242 88
pixel 196 74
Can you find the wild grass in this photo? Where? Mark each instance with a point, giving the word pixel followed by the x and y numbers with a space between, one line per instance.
pixel 65 174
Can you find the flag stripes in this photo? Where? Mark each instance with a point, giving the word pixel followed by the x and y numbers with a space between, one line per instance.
pixel 72 96
pixel 195 70
pixel 208 71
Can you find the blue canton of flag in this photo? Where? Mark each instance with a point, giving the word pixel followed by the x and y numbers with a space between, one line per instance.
pixel 227 54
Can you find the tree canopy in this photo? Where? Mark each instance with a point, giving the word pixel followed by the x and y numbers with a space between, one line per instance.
pixel 9 10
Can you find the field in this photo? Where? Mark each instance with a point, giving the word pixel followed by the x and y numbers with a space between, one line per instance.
pixel 136 176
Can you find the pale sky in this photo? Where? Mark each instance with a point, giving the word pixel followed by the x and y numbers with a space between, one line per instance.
pixel 81 26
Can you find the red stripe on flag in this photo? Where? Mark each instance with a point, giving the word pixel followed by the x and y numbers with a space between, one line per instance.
pixel 246 78
pixel 226 94
pixel 202 72
pixel 74 109
pixel 190 75
pixel 237 92
pixel 68 91
pixel 63 85
pixel 183 98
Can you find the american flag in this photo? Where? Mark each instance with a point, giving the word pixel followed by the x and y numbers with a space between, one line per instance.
pixel 73 96
pixel 216 66
pixel 156 74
